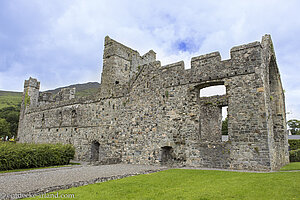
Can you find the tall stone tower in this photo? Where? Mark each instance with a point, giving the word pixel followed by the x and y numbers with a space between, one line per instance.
pixel 30 99
pixel 31 92
pixel 120 64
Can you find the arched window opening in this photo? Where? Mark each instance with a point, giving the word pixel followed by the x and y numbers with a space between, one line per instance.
pixel 276 96
pixel 276 103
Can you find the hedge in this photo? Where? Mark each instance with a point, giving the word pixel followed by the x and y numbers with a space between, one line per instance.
pixel 295 155
pixel 294 144
pixel 20 156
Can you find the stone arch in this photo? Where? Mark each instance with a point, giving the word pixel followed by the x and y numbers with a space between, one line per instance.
pixel 276 100
pixel 277 112
pixel 276 91
pixel 210 83
pixel 95 148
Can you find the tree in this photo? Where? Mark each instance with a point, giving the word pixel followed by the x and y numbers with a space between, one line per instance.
pixel 11 115
pixel 294 126
pixel 225 126
pixel 13 119
pixel 4 128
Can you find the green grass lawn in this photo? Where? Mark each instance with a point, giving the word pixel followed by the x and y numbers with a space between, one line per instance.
pixel 195 184
pixel 291 166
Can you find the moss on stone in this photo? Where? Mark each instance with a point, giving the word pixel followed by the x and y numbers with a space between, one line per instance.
pixel 167 94
pixel 27 99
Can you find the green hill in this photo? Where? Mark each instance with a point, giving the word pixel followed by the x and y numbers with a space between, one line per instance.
pixel 8 99
pixel 85 89
pixel 10 106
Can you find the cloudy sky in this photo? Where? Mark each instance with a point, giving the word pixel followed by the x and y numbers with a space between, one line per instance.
pixel 60 42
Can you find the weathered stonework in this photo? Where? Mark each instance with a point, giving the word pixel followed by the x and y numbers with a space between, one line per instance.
pixel 145 113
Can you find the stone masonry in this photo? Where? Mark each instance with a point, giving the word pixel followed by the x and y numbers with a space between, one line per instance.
pixel 145 113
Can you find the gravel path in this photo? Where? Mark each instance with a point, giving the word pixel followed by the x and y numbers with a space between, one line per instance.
pixel 45 180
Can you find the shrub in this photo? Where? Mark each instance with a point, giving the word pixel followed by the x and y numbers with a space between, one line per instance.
pixel 294 144
pixel 19 156
pixel 295 155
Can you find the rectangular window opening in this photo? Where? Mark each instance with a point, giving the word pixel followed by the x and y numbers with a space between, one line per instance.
pixel 213 91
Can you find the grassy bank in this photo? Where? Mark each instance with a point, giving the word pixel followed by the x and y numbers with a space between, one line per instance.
pixel 195 184
pixel 291 166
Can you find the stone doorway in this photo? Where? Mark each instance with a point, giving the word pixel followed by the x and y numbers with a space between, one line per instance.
pixel 95 151
pixel 166 155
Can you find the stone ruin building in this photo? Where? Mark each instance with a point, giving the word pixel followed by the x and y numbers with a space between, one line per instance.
pixel 145 113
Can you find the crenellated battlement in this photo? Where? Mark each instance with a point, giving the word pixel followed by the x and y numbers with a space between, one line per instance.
pixel 122 65
pixel 207 58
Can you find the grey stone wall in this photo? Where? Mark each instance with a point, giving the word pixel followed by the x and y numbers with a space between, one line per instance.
pixel 146 113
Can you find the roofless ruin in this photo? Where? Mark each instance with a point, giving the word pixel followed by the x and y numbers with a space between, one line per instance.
pixel 145 113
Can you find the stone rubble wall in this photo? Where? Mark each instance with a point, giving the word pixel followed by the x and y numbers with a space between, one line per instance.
pixel 143 108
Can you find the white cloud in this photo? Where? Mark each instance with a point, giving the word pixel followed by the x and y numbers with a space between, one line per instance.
pixel 61 42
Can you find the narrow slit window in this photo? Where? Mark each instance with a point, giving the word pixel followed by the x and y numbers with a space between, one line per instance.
pixel 224 123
